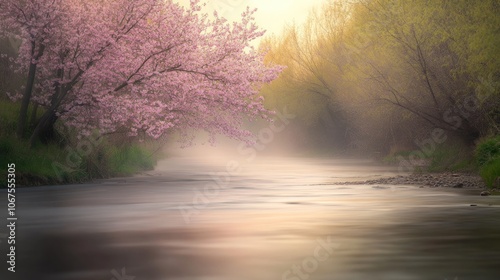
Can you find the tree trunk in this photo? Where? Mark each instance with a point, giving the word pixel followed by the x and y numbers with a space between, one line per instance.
pixel 48 132
pixel 44 126
pixel 33 115
pixel 21 123
pixel 469 134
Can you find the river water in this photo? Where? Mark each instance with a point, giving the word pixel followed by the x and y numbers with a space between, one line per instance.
pixel 277 218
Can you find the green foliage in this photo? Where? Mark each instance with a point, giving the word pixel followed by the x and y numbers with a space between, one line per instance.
pixel 490 172
pixel 454 156
pixel 391 70
pixel 55 163
pixel 8 116
pixel 48 164
pixel 488 150
pixel 9 113
pixel 128 159
pixel 488 160
pixel 33 165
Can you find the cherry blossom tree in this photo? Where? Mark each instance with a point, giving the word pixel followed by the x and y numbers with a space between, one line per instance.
pixel 137 66
pixel 31 21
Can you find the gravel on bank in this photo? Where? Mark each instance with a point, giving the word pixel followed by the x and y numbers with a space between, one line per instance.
pixel 431 180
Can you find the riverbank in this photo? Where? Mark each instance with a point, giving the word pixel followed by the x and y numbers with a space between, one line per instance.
pixel 262 221
pixel 65 158
pixel 430 180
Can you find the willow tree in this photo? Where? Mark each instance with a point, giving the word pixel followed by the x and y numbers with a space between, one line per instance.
pixel 309 84
pixel 416 59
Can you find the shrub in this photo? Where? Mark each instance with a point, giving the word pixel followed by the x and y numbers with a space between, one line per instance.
pixel 488 160
pixel 129 159
pixel 487 150
pixel 48 163
pixel 490 172
pixel 452 156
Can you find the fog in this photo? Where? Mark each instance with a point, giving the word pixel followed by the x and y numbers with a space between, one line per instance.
pixel 354 140
pixel 194 217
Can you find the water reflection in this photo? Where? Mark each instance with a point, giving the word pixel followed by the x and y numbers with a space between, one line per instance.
pixel 264 223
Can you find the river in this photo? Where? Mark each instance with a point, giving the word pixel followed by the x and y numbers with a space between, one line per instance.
pixel 270 218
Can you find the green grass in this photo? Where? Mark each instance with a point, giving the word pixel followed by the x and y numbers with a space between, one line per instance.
pixel 490 172
pixel 488 159
pixel 453 156
pixel 9 114
pixel 8 117
pixel 33 166
pixel 487 150
pixel 130 159
pixel 49 164
pixel 56 164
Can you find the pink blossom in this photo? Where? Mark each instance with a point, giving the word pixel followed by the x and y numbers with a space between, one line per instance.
pixel 147 66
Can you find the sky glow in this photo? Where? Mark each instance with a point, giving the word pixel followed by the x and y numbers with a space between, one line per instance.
pixel 272 15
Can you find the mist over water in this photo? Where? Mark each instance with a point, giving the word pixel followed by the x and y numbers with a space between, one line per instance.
pixel 99 89
pixel 194 217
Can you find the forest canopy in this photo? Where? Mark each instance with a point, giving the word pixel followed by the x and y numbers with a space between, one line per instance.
pixel 377 75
